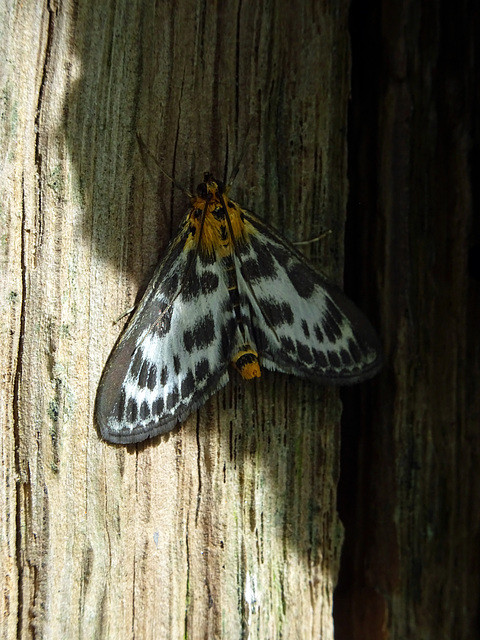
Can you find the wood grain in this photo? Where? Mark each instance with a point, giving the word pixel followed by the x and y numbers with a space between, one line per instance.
pixel 227 527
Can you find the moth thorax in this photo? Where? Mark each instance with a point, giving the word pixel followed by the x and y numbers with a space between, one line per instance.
pixel 209 186
pixel 246 362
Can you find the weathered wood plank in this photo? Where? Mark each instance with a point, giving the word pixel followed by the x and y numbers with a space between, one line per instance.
pixel 227 527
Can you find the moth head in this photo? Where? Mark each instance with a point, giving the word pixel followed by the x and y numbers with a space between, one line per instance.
pixel 210 185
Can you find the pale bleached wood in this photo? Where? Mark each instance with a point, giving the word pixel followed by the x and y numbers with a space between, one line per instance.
pixel 226 527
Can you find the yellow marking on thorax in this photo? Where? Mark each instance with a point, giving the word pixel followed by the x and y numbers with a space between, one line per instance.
pixel 218 236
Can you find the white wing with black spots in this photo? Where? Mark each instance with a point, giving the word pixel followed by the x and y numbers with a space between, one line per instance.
pixel 173 355
pixel 229 290
pixel 302 324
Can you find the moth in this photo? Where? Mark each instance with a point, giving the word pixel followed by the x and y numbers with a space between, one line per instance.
pixel 230 292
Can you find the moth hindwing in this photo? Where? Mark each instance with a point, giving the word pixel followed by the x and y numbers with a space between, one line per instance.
pixel 229 290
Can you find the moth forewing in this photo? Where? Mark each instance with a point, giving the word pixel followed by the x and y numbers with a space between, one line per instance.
pixel 230 290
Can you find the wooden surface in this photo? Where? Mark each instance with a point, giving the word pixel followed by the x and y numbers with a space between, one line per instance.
pixel 410 565
pixel 226 528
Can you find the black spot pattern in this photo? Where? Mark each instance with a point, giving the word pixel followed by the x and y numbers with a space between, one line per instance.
pixel 331 328
pixel 191 286
pixel 143 375
pixel 219 213
pixel 176 365
pixel 319 333
pixel 345 357
pixel 198 285
pixel 188 385
pixel 164 376
pixel 201 335
pixel 157 407
pixel 287 344
pixel 302 279
pixel 277 313
pixel 260 268
pixel 306 330
pixel 202 369
pixel 304 354
pixel 144 410
pixel 320 359
pixel 131 413
pixel 250 270
pixel 334 360
pixel 152 377
pixel 209 282
pixel 172 399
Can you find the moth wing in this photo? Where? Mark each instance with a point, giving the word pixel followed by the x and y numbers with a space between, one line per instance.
pixel 174 353
pixel 303 324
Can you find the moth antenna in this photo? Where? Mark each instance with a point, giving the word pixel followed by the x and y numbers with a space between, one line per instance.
pixel 236 167
pixel 303 243
pixel 144 151
pixel 225 163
